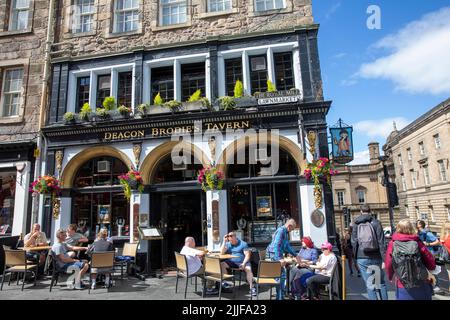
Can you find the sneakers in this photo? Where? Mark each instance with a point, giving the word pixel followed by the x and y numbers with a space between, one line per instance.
pixel 93 285
pixel 211 292
pixel 253 292
pixel 226 285
pixel 79 286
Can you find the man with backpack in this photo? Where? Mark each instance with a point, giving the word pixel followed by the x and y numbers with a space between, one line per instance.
pixel 369 250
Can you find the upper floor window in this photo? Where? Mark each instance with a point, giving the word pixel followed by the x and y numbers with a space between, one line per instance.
pixel 403 182
pixel 192 79
pixel 426 175
pixel 162 83
pixel 258 73
pixel 173 12
pixel 233 72
pixel 103 88
pixel 408 151
pixel 419 216
pixel 11 94
pixel 125 89
pixel 421 149
pixel 19 14
pixel 219 5
pixel 400 160
pixel 340 197
pixel 126 15
pixel 437 141
pixel 361 195
pixel 264 5
pixel 83 16
pixel 413 179
pixel 284 73
pixel 431 209
pixel 442 170
pixel 83 90
pixel 406 210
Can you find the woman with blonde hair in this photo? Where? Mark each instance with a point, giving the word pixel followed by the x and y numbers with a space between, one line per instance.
pixel 409 261
pixel 101 244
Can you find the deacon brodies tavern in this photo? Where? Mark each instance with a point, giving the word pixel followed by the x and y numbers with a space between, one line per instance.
pixel 134 50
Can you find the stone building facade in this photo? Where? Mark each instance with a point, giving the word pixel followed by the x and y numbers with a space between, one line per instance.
pixel 355 185
pixel 421 154
pixel 135 50
pixel 23 28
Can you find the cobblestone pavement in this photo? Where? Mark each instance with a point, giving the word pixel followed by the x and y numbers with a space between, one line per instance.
pixel 161 289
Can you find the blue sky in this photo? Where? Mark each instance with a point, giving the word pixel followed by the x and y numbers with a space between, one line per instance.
pixel 376 76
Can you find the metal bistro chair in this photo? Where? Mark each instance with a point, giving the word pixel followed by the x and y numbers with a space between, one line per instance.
pixel 239 272
pixel 56 270
pixel 104 263
pixel 128 256
pixel 183 271
pixel 268 272
pixel 16 262
pixel 213 272
pixel 328 289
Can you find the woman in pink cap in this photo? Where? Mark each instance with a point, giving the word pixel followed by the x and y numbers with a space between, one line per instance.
pixel 322 271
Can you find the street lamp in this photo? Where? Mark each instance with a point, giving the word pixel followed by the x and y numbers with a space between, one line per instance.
pixel 388 186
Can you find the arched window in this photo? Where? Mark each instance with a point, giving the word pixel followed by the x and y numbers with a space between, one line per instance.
pixel 101 171
pixel 167 171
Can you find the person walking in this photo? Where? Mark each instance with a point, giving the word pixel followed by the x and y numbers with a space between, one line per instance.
pixel 347 248
pixel 369 251
pixel 408 261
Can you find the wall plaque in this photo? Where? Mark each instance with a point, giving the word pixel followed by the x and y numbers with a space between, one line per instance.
pixel 317 218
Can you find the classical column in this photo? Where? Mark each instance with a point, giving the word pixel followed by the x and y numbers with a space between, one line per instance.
pixel 314 220
pixel 216 217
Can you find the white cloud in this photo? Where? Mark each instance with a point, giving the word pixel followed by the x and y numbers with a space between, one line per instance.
pixel 332 10
pixel 379 128
pixel 362 157
pixel 419 58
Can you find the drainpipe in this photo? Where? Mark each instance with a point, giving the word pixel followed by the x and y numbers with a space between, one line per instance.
pixel 43 106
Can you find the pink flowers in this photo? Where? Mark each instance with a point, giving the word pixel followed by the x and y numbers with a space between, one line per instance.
pixel 211 179
pixel 132 180
pixel 320 168
pixel 45 185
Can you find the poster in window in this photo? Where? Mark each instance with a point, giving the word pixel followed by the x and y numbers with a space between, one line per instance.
pixel 264 206
pixel 104 214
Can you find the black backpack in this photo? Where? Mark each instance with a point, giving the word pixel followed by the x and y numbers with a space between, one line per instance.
pixel 408 265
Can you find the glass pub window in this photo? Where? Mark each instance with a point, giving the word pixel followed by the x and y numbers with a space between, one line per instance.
pixel 173 12
pixel 126 15
pixel 12 92
pixel 219 5
pixel 192 79
pixel 19 14
pixel 162 83
pixel 125 89
pixel 103 89
pixel 263 5
pixel 83 84
pixel 258 73
pixel 233 72
pixel 83 16
pixel 284 73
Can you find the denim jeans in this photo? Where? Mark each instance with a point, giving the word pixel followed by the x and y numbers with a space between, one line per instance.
pixel 370 275
pixel 280 293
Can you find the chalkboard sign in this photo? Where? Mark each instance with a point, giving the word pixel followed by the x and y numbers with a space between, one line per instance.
pixel 262 231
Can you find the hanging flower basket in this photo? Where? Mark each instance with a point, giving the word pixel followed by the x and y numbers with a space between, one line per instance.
pixel 46 185
pixel 131 180
pixel 320 170
pixel 211 179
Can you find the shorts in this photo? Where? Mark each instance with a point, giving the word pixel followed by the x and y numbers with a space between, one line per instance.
pixel 77 264
pixel 234 265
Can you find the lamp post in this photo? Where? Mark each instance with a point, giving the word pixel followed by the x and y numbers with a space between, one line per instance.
pixel 386 184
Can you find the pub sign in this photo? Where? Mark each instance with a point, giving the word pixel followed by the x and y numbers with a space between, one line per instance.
pixel 342 142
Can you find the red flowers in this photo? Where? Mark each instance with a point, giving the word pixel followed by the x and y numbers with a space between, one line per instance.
pixel 132 180
pixel 45 185
pixel 211 179
pixel 320 168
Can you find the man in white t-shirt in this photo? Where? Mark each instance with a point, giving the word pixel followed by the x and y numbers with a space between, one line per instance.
pixel 193 256
pixel 323 271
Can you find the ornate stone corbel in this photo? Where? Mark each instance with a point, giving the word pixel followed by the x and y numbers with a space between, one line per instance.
pixel 59 156
pixel 56 206
pixel 137 149
pixel 312 137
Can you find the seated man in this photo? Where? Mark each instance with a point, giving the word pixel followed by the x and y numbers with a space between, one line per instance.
pixel 74 238
pixel 64 261
pixel 36 238
pixel 193 256
pixel 237 247
pixel 101 244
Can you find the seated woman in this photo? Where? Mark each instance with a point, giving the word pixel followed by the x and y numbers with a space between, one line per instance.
pixel 101 244
pixel 323 271
pixel 306 257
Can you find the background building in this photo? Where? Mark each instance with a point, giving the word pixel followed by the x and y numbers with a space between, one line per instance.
pixel 420 153
pixel 355 185
pixel 23 26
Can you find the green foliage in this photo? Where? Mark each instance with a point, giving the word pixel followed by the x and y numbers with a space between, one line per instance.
pixel 143 108
pixel 195 96
pixel 173 104
pixel 69 116
pixel 206 103
pixel 270 86
pixel 109 103
pixel 227 103
pixel 85 111
pixel 158 100
pixel 238 89
pixel 125 111
pixel 102 113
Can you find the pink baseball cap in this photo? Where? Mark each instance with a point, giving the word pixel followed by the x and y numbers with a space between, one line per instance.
pixel 327 246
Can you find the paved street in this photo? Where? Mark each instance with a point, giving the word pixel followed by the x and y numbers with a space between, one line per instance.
pixel 158 289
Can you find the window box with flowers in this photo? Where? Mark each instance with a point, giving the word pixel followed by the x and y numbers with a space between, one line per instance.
pixel 320 171
pixel 132 180
pixel 211 179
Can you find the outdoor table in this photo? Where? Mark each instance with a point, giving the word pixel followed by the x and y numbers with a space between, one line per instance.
pixel 40 248
pixel 222 256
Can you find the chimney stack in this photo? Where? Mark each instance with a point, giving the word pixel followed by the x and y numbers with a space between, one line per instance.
pixel 374 152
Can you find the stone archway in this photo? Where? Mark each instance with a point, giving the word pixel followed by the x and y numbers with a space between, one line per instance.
pixel 284 143
pixel 150 163
pixel 79 159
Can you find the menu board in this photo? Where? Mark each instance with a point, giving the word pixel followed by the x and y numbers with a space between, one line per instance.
pixel 262 231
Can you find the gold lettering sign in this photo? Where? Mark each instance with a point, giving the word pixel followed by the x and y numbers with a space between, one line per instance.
pixel 124 135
